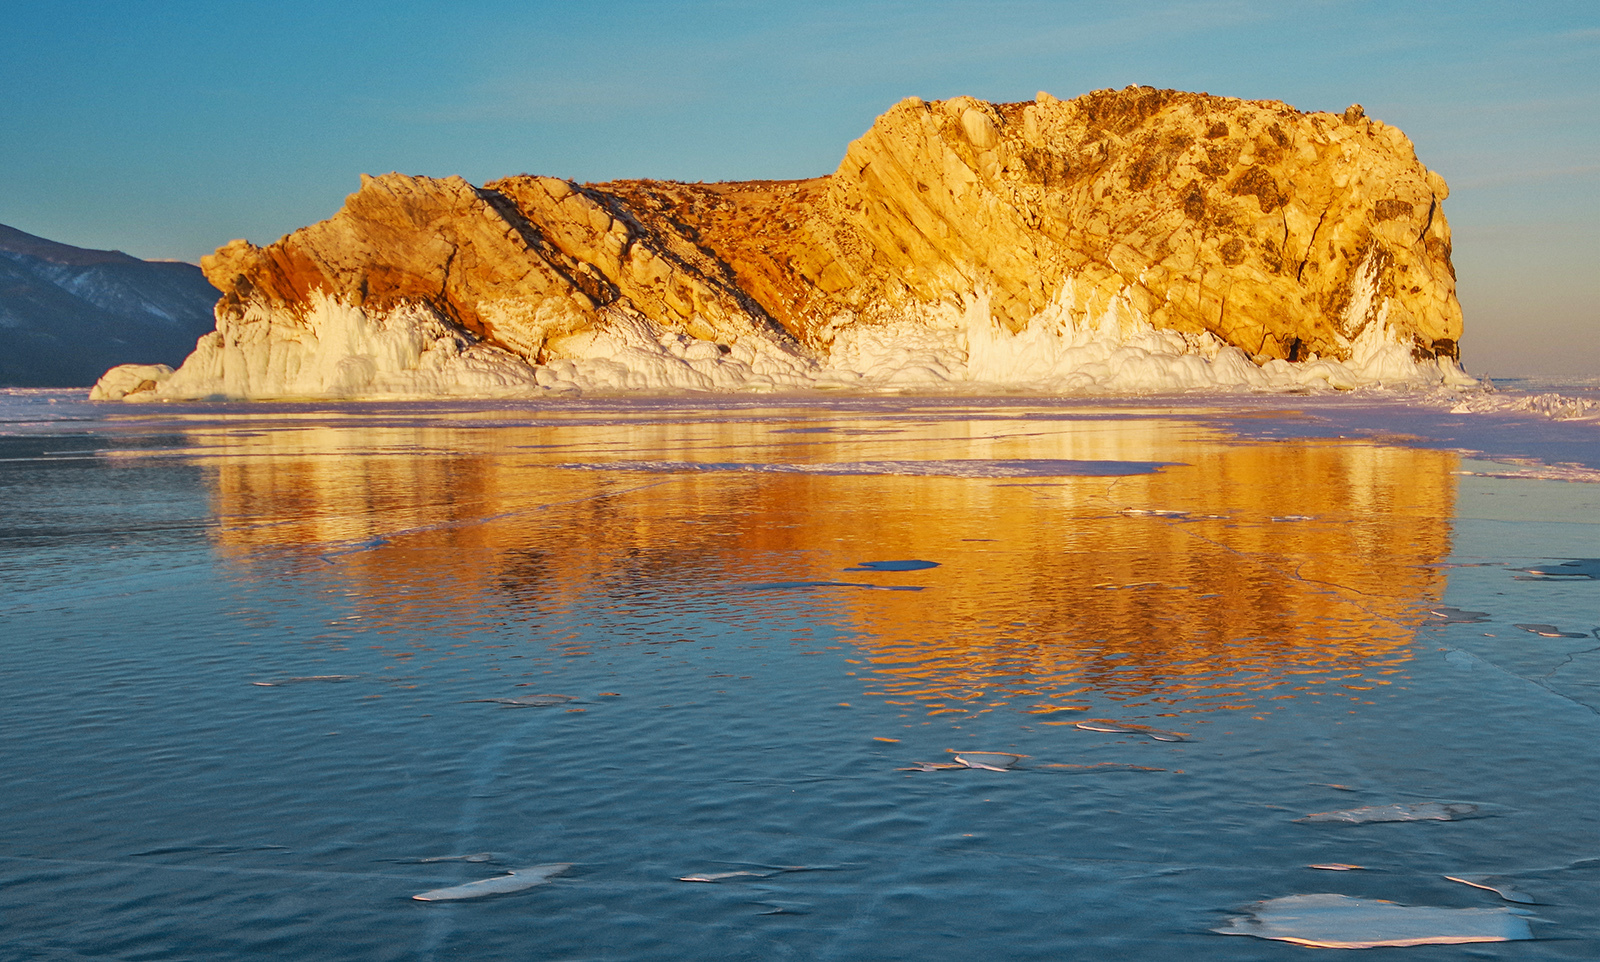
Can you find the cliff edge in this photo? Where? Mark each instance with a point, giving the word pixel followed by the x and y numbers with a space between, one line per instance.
pixel 1135 239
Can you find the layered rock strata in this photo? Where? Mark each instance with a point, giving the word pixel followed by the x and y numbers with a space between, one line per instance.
pixel 1060 244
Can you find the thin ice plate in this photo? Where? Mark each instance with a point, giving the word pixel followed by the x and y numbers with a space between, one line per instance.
pixel 527 701
pixel 1401 812
pixel 515 881
pixel 1340 922
pixel 1551 631
pixel 1115 727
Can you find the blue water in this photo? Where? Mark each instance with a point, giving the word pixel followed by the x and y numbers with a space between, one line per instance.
pixel 743 696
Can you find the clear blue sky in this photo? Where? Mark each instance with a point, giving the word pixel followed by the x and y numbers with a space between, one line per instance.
pixel 167 128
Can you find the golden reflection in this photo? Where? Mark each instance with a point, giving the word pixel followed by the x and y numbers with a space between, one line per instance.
pixel 1240 574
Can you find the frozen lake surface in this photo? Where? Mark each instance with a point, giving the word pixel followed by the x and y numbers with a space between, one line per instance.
pixel 797 678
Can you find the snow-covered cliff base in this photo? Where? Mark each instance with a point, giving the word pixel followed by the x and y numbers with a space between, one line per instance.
pixel 339 350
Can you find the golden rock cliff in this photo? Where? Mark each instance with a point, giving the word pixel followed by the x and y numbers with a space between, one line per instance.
pixel 1286 235
pixel 1283 233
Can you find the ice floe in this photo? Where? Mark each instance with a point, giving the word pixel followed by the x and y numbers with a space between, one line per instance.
pixel 1115 727
pixel 514 881
pixel 1338 867
pixel 1456 616
pixel 527 701
pixel 990 761
pixel 1575 569
pixel 1012 762
pixel 1332 921
pixel 1402 812
pixel 727 876
pixel 1551 631
pixel 1529 470
pixel 982 761
pixel 1552 405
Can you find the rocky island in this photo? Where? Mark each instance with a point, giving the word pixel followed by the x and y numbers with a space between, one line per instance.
pixel 1124 240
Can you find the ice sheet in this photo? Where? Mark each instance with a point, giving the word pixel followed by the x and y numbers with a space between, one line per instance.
pixel 160 559
pixel 1333 921
pixel 518 880
pixel 1400 812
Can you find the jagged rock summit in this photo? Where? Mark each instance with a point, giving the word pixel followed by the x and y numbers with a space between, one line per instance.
pixel 1126 240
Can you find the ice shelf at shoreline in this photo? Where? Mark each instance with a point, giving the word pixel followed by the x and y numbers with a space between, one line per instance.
pixel 338 350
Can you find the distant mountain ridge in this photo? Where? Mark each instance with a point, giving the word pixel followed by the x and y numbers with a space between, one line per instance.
pixel 67 313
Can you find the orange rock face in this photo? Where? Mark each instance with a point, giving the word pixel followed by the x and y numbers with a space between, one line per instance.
pixel 1283 233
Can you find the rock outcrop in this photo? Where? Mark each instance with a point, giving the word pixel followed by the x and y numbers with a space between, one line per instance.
pixel 1130 239
pixel 67 313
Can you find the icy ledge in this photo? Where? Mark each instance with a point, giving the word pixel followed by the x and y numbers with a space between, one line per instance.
pixel 336 350
pixel 1556 407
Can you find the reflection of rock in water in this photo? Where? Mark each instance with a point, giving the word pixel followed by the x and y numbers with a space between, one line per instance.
pixel 524 574
pixel 1234 610
pixel 1226 614
pixel 804 585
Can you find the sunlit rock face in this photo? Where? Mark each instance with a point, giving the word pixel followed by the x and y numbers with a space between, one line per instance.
pixel 958 241
pixel 1280 232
